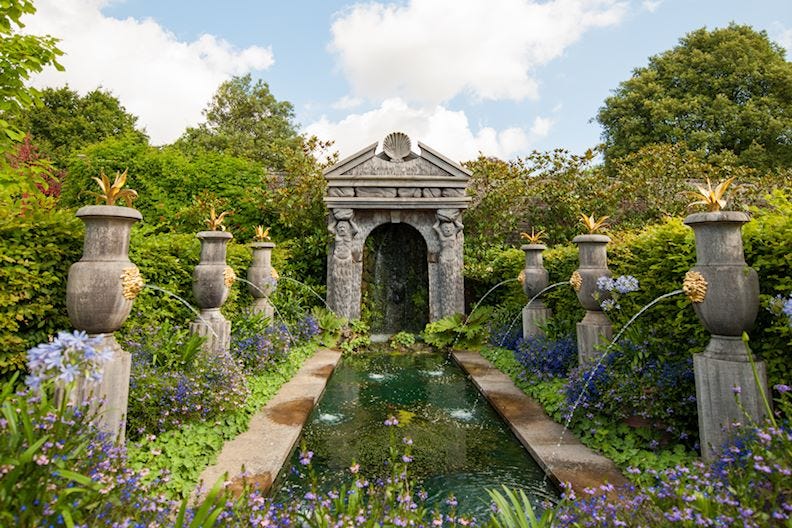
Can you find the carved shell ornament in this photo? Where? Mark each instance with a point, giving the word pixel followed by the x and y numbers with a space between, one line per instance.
pixel 396 146
pixel 131 283
pixel 229 276
pixel 695 286
pixel 576 281
pixel 521 277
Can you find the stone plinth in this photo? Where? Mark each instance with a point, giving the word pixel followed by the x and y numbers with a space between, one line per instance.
pixel 594 331
pixel 717 406
pixel 534 317
pixel 215 328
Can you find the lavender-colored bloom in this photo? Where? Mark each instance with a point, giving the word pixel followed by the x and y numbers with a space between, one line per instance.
pixel 605 284
pixel 626 284
pixel 782 388
pixel 305 457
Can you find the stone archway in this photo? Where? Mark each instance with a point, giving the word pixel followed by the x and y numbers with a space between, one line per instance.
pixel 425 191
pixel 395 284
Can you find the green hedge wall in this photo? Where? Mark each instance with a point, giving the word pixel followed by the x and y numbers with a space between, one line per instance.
pixel 658 256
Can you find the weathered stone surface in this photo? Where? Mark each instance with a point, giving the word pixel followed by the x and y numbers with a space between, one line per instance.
pixel 715 398
pixel 594 331
pixel 375 192
pixel 341 191
pixel 261 280
pixel 426 191
pixel 534 317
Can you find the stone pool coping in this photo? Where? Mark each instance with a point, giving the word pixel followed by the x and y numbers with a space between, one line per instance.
pixel 274 430
pixel 556 449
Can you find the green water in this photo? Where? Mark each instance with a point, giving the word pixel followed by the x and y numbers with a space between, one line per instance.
pixel 461 446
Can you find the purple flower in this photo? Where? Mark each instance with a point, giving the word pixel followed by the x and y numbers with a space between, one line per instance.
pixel 736 389
pixel 625 284
pixel 305 457
pixel 605 284
pixel 391 421
pixel 782 388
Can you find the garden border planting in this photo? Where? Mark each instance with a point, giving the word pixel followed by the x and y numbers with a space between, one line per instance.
pixel 556 449
pixel 261 451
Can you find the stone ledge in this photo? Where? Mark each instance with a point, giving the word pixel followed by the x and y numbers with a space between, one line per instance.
pixel 556 449
pixel 275 429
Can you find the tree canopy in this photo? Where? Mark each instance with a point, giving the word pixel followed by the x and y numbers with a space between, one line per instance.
pixel 66 122
pixel 728 89
pixel 245 120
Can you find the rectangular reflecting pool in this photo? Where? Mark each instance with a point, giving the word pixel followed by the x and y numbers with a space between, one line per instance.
pixel 461 447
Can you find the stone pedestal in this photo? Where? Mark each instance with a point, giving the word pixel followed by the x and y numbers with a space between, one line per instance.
pixel 215 328
pixel 717 407
pixel 99 294
pixel 724 292
pixel 593 331
pixel 262 278
pixel 595 328
pixel 534 278
pixel 212 279
pixel 534 316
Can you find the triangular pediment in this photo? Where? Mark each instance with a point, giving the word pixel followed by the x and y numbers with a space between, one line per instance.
pixel 366 164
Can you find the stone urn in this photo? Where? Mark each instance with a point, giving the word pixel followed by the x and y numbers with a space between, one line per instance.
pixel 724 292
pixel 534 279
pixel 729 293
pixel 262 277
pixel 212 281
pixel 99 294
pixel 595 328
pixel 96 299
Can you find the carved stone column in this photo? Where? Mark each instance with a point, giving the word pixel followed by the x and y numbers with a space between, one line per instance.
pixel 344 265
pixel 449 285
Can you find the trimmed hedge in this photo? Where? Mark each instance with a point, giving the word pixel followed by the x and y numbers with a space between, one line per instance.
pixel 659 256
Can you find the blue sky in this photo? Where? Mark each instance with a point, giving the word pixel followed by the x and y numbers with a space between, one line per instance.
pixel 500 77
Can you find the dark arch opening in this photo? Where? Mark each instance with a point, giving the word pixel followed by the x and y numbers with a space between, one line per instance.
pixel 395 286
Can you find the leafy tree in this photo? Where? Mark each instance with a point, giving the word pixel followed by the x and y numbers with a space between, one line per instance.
pixel 66 121
pixel 20 56
pixel 728 89
pixel 245 120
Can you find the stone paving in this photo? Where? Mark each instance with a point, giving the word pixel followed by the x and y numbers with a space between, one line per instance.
pixel 274 431
pixel 554 448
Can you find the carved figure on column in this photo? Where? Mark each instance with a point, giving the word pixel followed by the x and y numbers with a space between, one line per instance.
pixel 448 229
pixel 344 258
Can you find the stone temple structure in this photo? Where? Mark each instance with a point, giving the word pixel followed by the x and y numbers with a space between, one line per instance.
pixel 396 218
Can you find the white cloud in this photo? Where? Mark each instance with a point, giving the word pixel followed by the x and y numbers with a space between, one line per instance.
pixel 783 36
pixel 651 5
pixel 164 81
pixel 347 103
pixel 445 130
pixel 433 50
pixel 541 126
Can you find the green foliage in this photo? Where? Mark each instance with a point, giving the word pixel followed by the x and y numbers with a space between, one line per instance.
pixel 330 324
pixel 36 250
pixel 725 89
pixel 457 331
pixel 402 340
pixel 516 511
pixel 354 336
pixel 66 122
pixel 766 241
pixel 20 56
pixel 186 451
pixel 167 261
pixel 615 439
pixel 176 348
pixel 245 120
